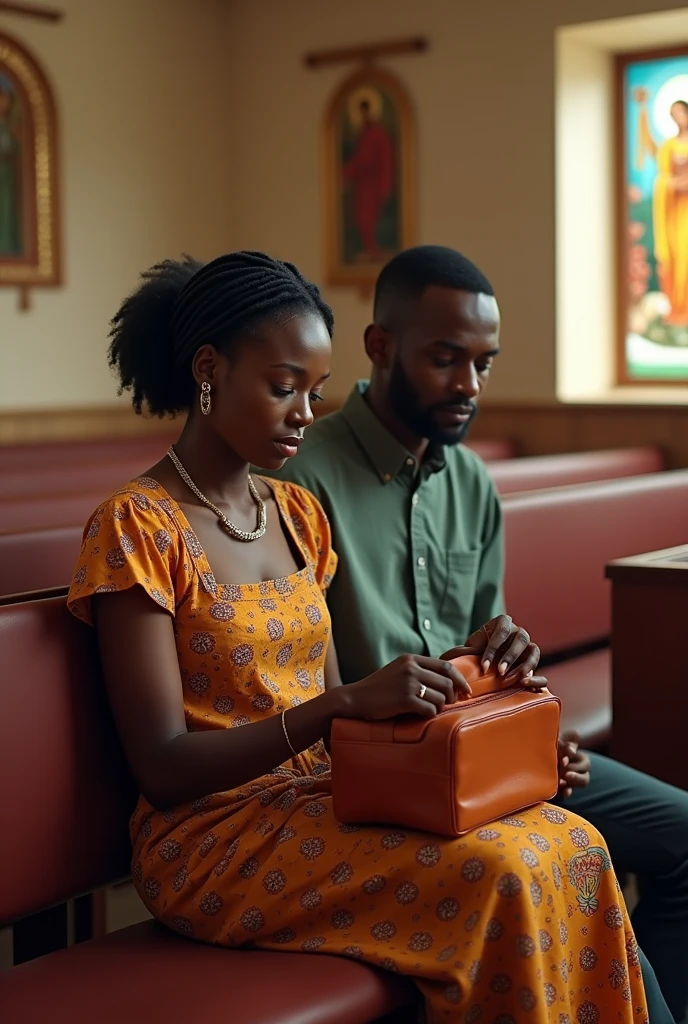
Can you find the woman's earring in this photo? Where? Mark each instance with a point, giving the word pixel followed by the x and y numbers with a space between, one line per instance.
pixel 206 404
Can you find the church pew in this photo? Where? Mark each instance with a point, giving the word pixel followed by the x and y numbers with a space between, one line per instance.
pixel 491 450
pixel 47 511
pixel 537 472
pixel 66 796
pixel 105 475
pixel 148 448
pixel 38 559
pixel 558 543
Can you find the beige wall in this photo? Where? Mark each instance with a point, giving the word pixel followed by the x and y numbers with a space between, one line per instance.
pixel 194 125
pixel 484 95
pixel 139 86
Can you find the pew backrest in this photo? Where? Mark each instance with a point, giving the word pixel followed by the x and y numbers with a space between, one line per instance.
pixel 544 471
pixel 148 448
pixel 38 559
pixel 489 450
pixel 65 791
pixel 105 475
pixel 559 541
pixel 46 511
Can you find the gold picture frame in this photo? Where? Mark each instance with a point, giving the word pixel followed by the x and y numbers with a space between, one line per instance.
pixel 369 170
pixel 29 238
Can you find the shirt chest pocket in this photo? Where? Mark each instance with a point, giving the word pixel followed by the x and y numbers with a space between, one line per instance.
pixel 459 591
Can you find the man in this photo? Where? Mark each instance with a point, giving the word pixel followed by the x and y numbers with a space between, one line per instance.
pixel 417 525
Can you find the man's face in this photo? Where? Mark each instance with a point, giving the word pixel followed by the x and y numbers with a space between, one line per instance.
pixel 442 355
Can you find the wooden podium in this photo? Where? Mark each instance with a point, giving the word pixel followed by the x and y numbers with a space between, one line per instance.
pixel 650 662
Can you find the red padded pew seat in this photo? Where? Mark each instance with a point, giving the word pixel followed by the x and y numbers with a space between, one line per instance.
pixel 144 974
pixel 66 796
pixel 540 471
pixel 585 687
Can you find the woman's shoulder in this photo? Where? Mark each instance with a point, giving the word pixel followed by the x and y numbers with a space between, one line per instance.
pixel 136 516
pixel 131 539
pixel 143 498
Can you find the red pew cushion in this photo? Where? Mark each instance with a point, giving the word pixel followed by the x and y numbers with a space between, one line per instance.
pixel 148 448
pixel 145 973
pixel 558 543
pixel 530 474
pixel 488 450
pixel 69 806
pixel 38 559
pixel 104 476
pixel 45 511
pixel 585 687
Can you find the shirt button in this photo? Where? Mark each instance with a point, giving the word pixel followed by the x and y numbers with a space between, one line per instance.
pixel 410 462
pixel 427 624
pixel 387 477
pixel 421 563
pixel 415 499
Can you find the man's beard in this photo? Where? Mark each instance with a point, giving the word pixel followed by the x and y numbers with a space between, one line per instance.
pixel 421 419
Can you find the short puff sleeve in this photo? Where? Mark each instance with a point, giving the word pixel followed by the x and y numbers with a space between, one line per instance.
pixel 130 540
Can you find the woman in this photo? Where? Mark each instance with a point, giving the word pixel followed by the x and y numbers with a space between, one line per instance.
pixel 207 590
pixel 670 214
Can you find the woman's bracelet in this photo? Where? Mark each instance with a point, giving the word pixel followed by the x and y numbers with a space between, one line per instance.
pixel 286 735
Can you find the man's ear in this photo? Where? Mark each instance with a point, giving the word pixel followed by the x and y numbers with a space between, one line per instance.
pixel 379 346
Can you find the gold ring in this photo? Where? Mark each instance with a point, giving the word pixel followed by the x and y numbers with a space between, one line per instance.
pixel 423 688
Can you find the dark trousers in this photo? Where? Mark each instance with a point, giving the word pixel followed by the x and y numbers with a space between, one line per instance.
pixel 645 825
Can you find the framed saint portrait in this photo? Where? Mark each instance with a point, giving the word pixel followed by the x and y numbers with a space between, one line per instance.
pixel 29 243
pixel 369 176
pixel 652 191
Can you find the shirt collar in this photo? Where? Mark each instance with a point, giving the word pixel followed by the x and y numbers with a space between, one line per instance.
pixel 388 456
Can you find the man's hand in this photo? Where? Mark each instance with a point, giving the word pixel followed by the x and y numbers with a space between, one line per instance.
pixel 508 646
pixel 574 765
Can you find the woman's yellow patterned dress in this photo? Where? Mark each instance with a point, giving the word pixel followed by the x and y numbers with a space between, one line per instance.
pixel 519 922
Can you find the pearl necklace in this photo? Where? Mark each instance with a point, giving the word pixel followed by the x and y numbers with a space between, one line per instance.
pixel 232 530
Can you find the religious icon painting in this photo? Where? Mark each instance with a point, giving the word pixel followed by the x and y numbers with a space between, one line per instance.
pixel 652 192
pixel 369 168
pixel 29 243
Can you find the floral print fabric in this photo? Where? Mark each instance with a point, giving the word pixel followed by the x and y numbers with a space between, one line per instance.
pixel 519 923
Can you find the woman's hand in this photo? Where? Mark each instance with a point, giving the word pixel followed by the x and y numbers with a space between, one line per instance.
pixel 412 684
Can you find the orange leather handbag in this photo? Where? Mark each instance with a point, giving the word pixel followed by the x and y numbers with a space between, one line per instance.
pixel 478 760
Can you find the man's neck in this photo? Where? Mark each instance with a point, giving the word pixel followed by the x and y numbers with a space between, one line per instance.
pixel 378 402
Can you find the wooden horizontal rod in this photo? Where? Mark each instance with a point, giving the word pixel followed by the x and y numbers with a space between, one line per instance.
pixel 320 58
pixel 31 11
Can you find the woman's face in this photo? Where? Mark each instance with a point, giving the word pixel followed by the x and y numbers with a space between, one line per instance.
pixel 679 112
pixel 262 394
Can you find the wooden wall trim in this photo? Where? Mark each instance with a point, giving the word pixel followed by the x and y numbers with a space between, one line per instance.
pixel 36 426
pixel 548 428
pixel 538 428
pixel 32 426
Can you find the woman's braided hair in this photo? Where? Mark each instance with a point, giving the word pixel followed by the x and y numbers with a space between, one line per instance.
pixel 183 304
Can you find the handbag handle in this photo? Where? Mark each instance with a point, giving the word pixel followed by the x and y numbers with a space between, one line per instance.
pixel 481 684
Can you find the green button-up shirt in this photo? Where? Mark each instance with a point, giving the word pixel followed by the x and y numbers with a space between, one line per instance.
pixel 420 548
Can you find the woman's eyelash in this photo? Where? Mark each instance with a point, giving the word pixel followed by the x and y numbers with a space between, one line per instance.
pixel 285 392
